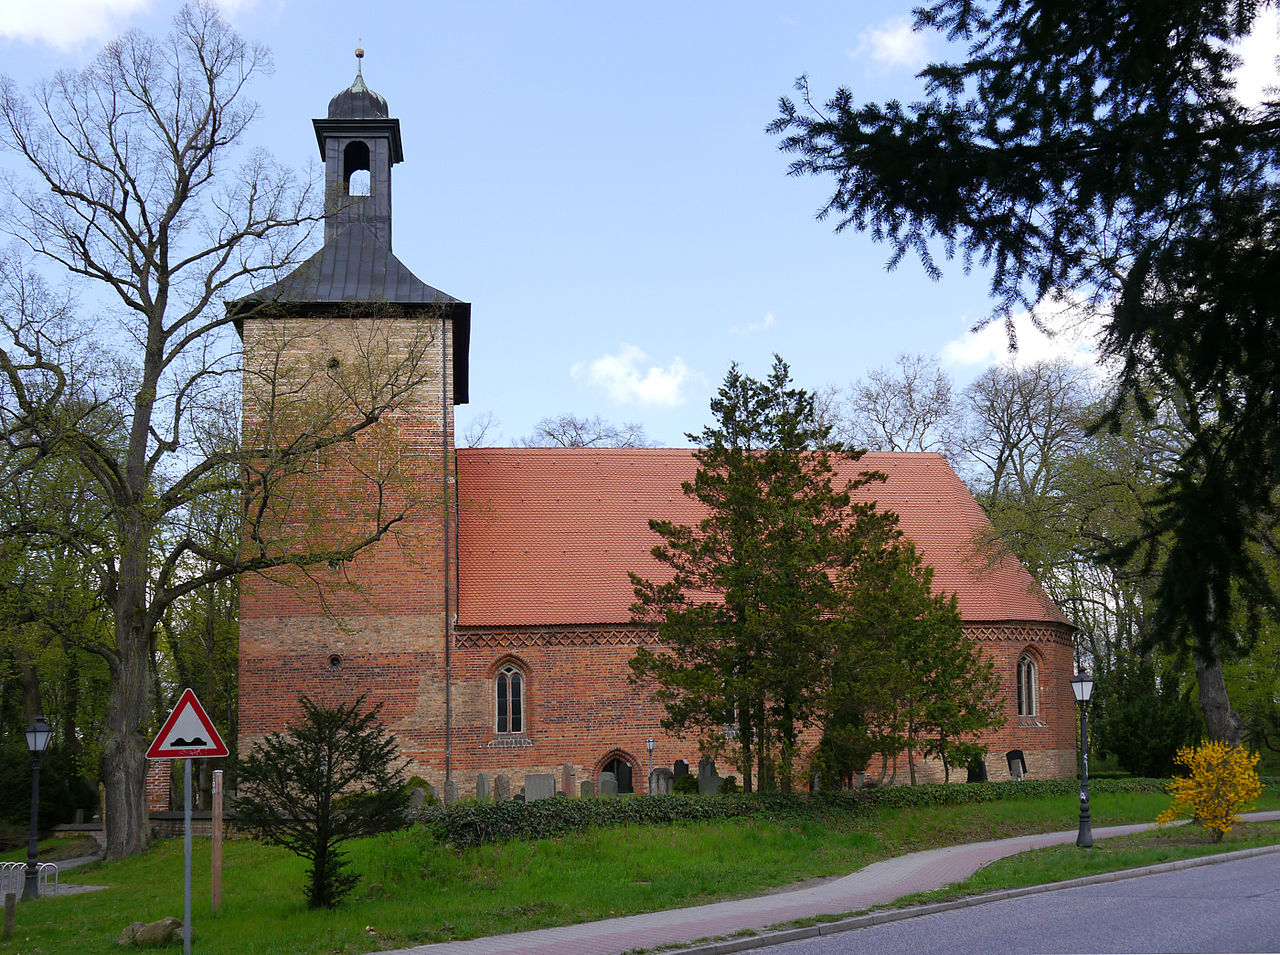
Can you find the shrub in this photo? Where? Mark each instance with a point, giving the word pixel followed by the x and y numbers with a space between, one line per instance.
pixel 462 825
pixel 686 785
pixel 331 779
pixel 1223 780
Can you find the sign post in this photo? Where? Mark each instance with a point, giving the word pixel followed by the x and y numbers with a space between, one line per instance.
pixel 187 732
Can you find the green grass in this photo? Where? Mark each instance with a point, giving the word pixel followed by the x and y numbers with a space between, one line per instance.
pixel 413 891
pixel 1062 863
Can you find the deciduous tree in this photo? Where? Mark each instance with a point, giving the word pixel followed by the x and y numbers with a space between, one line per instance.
pixel 134 177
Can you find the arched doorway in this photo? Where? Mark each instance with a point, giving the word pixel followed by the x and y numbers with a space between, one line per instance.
pixel 621 770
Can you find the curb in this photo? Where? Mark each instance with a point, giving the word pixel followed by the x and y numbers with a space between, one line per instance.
pixel 746 944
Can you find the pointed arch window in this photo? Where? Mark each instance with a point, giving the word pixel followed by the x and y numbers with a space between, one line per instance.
pixel 1027 686
pixel 509 687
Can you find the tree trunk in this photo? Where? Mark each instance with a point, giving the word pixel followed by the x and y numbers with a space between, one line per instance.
pixel 130 709
pixel 1222 722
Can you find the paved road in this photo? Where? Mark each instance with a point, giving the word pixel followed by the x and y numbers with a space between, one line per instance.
pixel 873 885
pixel 1229 907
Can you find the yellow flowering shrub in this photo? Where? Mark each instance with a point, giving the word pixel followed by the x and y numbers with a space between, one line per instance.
pixel 1223 780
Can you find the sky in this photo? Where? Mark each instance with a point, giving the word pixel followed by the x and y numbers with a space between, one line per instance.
pixel 597 181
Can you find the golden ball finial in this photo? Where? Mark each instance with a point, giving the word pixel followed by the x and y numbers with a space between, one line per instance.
pixel 360 48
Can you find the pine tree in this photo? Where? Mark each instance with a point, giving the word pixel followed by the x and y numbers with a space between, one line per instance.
pixel 1096 147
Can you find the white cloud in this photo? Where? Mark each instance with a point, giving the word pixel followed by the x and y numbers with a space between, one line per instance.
pixel 752 327
pixel 70 24
pixel 893 44
pixel 1075 339
pixel 66 24
pixel 629 378
pixel 1258 51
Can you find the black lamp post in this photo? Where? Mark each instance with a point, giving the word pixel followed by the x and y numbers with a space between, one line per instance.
pixel 38 735
pixel 1082 686
pixel 648 744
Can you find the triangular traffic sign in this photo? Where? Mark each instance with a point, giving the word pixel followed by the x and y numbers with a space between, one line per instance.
pixel 187 732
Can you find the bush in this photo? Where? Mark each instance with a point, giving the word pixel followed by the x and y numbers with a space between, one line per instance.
pixel 686 785
pixel 463 825
pixel 1223 780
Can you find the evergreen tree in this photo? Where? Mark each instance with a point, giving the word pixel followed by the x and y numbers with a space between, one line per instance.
pixel 925 687
pixel 1097 147
pixel 332 778
pixel 1143 720
pixel 745 623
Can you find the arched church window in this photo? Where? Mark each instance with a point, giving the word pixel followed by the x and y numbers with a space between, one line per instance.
pixel 355 168
pixel 510 692
pixel 1027 695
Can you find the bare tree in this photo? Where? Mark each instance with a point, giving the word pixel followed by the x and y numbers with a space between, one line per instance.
pixel 570 431
pixel 478 430
pixel 135 179
pixel 905 408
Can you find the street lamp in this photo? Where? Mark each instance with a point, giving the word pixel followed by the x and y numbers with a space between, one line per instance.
pixel 1082 686
pixel 648 744
pixel 38 735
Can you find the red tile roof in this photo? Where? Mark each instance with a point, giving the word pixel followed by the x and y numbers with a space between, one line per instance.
pixel 547 535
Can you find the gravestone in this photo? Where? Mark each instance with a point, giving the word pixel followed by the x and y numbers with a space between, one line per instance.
pixel 501 787
pixel 435 793
pixel 661 780
pixel 568 785
pixel 607 784
pixel 450 791
pixel 482 786
pixel 417 797
pixel 587 789
pixel 708 781
pixel 539 786
pixel 682 768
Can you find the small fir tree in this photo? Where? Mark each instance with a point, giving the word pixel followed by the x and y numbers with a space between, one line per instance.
pixel 330 779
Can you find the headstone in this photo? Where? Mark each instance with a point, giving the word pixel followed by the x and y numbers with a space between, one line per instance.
pixel 587 789
pixel 482 786
pixel 501 787
pixel 417 797
pixel 539 786
pixel 977 770
pixel 682 768
pixel 1017 764
pixel 708 785
pixel 706 767
pixel 435 793
pixel 815 784
pixel 661 781
pixel 608 784
pixel 450 791
pixel 568 782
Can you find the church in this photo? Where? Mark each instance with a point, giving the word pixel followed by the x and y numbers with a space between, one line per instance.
pixel 492 623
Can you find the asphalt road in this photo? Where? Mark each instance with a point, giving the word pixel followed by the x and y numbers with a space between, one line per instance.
pixel 1228 907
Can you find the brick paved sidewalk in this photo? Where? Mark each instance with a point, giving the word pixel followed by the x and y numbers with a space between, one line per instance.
pixel 876 884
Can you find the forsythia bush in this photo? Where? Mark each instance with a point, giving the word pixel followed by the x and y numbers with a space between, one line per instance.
pixel 1223 780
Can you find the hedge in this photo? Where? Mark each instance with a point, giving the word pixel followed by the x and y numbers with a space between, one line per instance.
pixel 474 823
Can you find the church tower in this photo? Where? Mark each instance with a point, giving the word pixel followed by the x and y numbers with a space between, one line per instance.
pixel 355 355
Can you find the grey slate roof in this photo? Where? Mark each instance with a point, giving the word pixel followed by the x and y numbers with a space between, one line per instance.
pixel 353 267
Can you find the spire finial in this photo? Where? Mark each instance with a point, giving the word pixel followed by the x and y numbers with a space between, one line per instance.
pixel 359 54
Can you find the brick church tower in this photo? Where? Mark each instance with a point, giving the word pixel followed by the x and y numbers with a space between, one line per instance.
pixel 352 344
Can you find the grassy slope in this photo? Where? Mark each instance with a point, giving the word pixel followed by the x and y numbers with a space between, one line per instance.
pixel 413 891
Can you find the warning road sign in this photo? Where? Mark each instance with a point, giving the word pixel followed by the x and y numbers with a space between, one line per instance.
pixel 187 732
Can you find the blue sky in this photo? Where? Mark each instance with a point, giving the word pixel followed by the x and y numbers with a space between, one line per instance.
pixel 596 180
